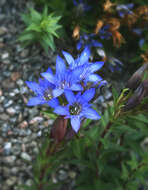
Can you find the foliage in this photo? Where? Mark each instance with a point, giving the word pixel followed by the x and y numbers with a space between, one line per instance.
pixel 40 28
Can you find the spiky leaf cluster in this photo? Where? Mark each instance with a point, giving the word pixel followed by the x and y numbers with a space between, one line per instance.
pixel 41 28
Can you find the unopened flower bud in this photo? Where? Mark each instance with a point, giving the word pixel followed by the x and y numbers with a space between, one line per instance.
pixel 136 78
pixel 76 32
pixel 139 94
pixel 132 103
pixel 145 86
pixel 59 129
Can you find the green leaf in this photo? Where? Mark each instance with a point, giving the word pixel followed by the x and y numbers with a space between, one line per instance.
pixel 125 172
pixel 25 37
pixel 115 95
pixel 50 115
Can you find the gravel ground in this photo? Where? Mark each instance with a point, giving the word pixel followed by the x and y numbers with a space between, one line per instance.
pixel 21 127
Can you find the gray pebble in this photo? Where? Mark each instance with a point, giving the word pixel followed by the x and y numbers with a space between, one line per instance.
pixel 26 156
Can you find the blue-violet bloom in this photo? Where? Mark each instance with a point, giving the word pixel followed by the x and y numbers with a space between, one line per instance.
pixel 124 9
pixel 63 78
pixel 82 63
pixel 43 92
pixel 81 5
pixel 104 32
pixel 89 41
pixel 78 107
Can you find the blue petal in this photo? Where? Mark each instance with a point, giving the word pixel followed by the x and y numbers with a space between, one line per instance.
pixel 76 87
pixel 75 123
pixel 60 66
pixel 76 73
pixel 36 101
pixel 94 78
pixel 79 45
pixel 130 5
pixel 70 96
pixel 91 114
pixel 88 95
pixel 85 55
pixel 141 42
pixel 53 103
pixel 95 66
pixel 70 60
pixel 61 110
pixel 49 71
pixel 48 76
pixel 57 92
pixel 96 44
pixel 35 87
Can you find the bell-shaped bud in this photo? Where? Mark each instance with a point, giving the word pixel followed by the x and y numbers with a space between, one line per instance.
pixel 59 129
pixel 136 78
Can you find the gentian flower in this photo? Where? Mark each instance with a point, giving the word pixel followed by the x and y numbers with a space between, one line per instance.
pixel 78 107
pixel 82 63
pixel 124 9
pixel 88 41
pixel 104 32
pixel 43 92
pixel 64 78
pixel 81 5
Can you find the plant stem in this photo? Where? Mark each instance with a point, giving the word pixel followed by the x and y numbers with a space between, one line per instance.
pixel 108 126
pixel 49 152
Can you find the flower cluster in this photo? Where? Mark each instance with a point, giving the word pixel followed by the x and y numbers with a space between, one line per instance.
pixel 70 90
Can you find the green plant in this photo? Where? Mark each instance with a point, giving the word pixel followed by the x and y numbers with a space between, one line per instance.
pixel 40 28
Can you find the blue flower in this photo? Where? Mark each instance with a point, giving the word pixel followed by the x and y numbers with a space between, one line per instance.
pixel 104 32
pixel 89 41
pixel 124 9
pixel 82 63
pixel 81 5
pixel 78 107
pixel 43 92
pixel 63 78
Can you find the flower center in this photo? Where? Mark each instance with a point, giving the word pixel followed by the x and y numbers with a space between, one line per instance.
pixel 75 109
pixel 48 94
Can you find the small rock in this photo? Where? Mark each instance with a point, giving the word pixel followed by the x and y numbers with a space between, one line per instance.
pixel 9 159
pixel 39 134
pixel 14 170
pixel 24 124
pixel 72 174
pixel 24 53
pixel 2 98
pixel 7 148
pixel 11 111
pixel 1 92
pixel 19 82
pixel 23 90
pixel 16 150
pixel 8 103
pixel 107 95
pixel 26 156
pixel 5 55
pixel 8 83
pixel 4 117
pixel 11 181
pixel 15 76
pixel 3 30
pixel 62 175
pixel 1 109
pixel 5 127
pixel 36 120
